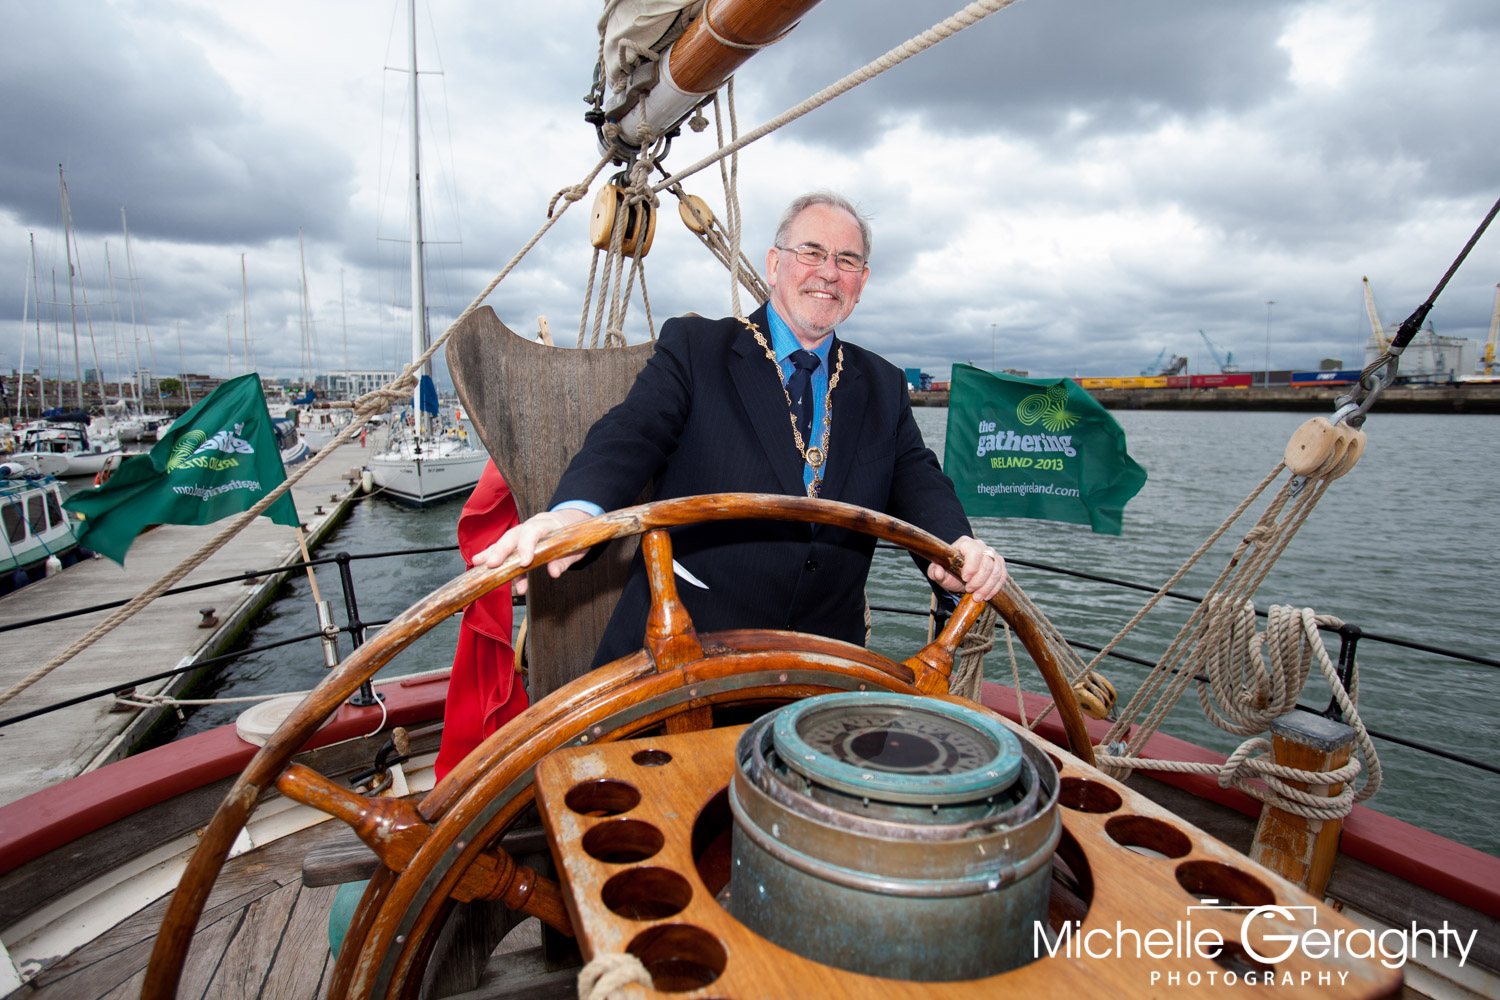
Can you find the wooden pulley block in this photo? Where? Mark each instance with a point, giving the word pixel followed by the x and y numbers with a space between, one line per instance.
pixel 686 208
pixel 1311 445
pixel 1095 694
pixel 1356 448
pixel 639 221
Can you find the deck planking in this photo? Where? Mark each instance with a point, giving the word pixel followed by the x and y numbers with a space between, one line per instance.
pixel 63 744
pixel 262 934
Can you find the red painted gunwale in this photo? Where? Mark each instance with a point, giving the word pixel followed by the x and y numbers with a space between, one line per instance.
pixel 55 816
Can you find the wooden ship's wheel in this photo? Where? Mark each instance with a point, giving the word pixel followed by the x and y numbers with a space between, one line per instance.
pixel 1119 859
pixel 445 848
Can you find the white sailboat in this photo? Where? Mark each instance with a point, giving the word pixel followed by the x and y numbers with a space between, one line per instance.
pixel 423 461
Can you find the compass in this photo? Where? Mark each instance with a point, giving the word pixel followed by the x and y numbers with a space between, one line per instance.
pixel 897 748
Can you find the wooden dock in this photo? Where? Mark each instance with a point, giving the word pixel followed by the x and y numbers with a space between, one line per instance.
pixel 49 748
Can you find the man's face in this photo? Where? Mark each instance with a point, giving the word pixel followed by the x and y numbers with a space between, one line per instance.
pixel 814 300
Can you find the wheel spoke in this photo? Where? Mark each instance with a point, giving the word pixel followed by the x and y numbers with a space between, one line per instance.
pixel 670 635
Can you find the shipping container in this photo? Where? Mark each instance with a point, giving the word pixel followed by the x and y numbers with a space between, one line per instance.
pixel 1303 380
pixel 1179 381
pixel 1222 381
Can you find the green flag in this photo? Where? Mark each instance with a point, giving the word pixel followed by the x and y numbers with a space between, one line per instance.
pixel 219 458
pixel 1035 447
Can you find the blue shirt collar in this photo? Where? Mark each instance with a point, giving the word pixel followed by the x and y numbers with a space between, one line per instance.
pixel 784 341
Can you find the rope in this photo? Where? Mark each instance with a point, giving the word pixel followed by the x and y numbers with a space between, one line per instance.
pixel 606 977
pixel 365 407
pixel 588 297
pixel 1253 677
pixel 730 179
pixel 968 672
pixel 969 16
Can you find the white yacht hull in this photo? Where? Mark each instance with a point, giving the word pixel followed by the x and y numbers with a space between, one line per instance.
pixel 45 463
pixel 427 478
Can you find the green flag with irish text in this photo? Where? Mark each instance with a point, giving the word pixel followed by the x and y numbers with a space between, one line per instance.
pixel 1034 447
pixel 217 459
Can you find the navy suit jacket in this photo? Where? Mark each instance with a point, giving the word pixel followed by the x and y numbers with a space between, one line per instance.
pixel 708 415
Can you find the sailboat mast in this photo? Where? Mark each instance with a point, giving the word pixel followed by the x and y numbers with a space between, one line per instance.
pixel 245 308
pixel 306 313
pixel 134 278
pixel 187 390
pixel 418 291
pixel 41 384
pixel 62 186
pixel 344 318
pixel 114 326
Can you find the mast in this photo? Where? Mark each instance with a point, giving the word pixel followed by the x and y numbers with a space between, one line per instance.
pixel 62 186
pixel 306 333
pixel 114 325
pixel 344 317
pixel 56 340
pixel 21 363
pixel 41 384
pixel 245 308
pixel 182 369
pixel 418 291
pixel 135 280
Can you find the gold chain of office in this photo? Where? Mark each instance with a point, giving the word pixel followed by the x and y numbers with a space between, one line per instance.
pixel 816 456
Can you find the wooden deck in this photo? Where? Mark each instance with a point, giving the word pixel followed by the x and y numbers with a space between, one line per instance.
pixel 265 935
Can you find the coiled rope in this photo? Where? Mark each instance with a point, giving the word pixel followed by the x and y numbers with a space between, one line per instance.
pixel 1253 677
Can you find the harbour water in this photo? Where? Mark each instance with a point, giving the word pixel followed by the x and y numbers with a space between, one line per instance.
pixel 1403 546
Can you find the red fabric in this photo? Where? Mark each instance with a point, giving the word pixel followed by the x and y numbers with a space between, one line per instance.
pixel 482 692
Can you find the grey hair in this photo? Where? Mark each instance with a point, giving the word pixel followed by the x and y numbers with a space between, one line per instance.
pixel 806 201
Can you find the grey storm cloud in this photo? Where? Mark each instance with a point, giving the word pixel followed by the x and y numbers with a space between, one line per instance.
pixel 137 116
pixel 1079 183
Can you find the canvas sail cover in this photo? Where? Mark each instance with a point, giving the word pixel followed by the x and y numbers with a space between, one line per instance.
pixel 629 26
pixel 1033 447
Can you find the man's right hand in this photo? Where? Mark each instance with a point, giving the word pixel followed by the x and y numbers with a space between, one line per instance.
pixel 521 541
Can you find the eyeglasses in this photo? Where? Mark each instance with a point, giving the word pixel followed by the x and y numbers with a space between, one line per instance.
pixel 813 256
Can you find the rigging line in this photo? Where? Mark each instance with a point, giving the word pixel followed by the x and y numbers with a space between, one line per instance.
pixel 970 15
pixel 1413 323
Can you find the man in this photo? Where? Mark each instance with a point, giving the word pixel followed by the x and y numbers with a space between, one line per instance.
pixel 713 412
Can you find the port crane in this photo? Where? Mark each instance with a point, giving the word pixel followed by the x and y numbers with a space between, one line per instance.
pixel 1173 366
pixel 1226 363
pixel 1488 361
pixel 1154 366
pixel 1380 337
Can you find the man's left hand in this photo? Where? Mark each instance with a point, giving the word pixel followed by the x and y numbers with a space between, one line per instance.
pixel 983 570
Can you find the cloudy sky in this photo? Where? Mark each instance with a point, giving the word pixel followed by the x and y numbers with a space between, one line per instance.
pixel 1070 186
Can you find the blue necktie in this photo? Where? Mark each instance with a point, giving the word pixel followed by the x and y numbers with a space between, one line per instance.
pixel 799 390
